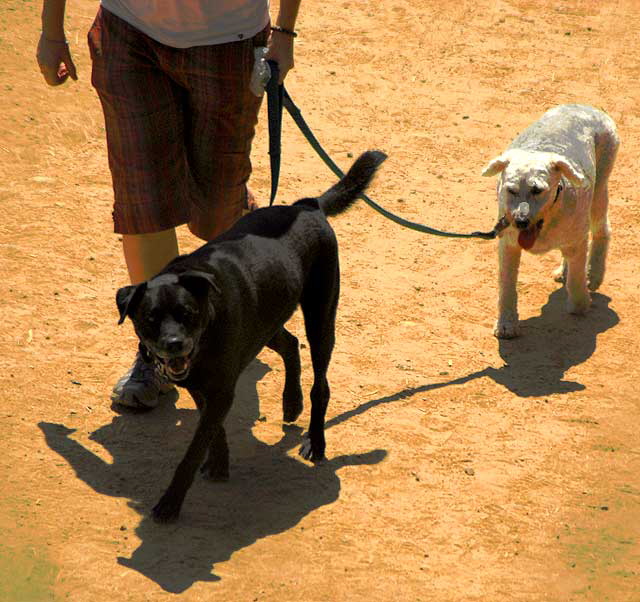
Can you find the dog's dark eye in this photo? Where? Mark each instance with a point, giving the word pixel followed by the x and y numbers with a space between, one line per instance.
pixel 535 190
pixel 512 191
pixel 185 314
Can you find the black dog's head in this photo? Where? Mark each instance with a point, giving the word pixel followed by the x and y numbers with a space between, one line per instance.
pixel 169 314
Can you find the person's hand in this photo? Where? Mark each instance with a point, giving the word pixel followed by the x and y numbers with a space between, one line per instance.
pixel 55 61
pixel 281 51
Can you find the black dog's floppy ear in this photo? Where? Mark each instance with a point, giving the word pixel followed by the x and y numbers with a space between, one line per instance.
pixel 128 297
pixel 199 283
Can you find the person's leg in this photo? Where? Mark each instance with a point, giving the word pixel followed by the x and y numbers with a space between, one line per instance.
pixel 143 121
pixel 147 254
pixel 141 387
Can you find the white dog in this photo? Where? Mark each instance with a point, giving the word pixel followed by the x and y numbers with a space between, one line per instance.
pixel 552 191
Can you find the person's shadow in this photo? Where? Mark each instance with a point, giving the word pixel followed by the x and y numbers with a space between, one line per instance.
pixel 269 491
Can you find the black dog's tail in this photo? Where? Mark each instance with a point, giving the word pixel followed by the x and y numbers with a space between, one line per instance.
pixel 341 196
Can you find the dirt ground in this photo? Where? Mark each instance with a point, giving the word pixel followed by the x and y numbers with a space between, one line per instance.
pixel 460 467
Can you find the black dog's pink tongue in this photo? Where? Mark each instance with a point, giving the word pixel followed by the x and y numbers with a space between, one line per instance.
pixel 527 238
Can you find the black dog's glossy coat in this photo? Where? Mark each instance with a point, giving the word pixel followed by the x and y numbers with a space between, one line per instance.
pixel 206 315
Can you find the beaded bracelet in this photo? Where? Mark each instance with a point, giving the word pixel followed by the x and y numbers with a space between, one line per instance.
pixel 289 32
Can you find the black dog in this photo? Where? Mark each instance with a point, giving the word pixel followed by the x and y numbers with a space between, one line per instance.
pixel 206 315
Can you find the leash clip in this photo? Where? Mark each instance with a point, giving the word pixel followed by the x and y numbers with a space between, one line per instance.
pixel 503 223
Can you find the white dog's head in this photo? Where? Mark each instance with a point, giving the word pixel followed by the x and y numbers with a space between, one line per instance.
pixel 528 187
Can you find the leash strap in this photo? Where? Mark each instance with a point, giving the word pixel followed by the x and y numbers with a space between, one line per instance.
pixel 279 98
pixel 275 92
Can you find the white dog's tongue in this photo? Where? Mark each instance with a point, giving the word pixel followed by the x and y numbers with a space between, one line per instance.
pixel 527 238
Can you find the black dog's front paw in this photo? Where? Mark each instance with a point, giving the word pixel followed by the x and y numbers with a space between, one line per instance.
pixel 215 472
pixel 311 452
pixel 166 511
pixel 292 405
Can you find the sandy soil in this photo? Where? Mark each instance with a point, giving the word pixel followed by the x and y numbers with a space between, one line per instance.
pixel 461 467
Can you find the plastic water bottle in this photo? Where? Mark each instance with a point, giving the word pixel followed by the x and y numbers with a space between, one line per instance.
pixel 261 71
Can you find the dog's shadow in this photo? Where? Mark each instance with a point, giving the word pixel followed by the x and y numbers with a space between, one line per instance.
pixel 269 491
pixel 550 345
pixel 536 362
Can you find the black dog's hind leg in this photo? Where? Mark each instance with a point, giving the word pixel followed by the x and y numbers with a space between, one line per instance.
pixel 286 345
pixel 319 304
pixel 209 435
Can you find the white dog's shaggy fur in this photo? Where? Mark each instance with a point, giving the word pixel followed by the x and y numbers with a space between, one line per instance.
pixel 553 191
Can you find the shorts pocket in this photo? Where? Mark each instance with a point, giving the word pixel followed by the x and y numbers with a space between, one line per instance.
pixel 94 37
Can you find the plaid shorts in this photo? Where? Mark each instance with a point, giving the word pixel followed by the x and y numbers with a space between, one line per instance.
pixel 179 125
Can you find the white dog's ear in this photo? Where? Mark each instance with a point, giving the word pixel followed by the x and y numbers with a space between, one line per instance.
pixel 496 165
pixel 568 171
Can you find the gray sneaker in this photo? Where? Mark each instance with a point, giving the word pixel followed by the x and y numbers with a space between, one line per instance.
pixel 142 388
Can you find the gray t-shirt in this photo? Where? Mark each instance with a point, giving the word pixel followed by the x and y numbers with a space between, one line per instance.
pixel 186 23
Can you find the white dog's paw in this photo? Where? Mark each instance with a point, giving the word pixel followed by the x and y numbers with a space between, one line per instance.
pixel 595 275
pixel 578 306
pixel 596 265
pixel 560 273
pixel 594 280
pixel 507 328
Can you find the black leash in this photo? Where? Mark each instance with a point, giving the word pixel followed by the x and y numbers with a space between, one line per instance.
pixel 277 97
pixel 275 94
